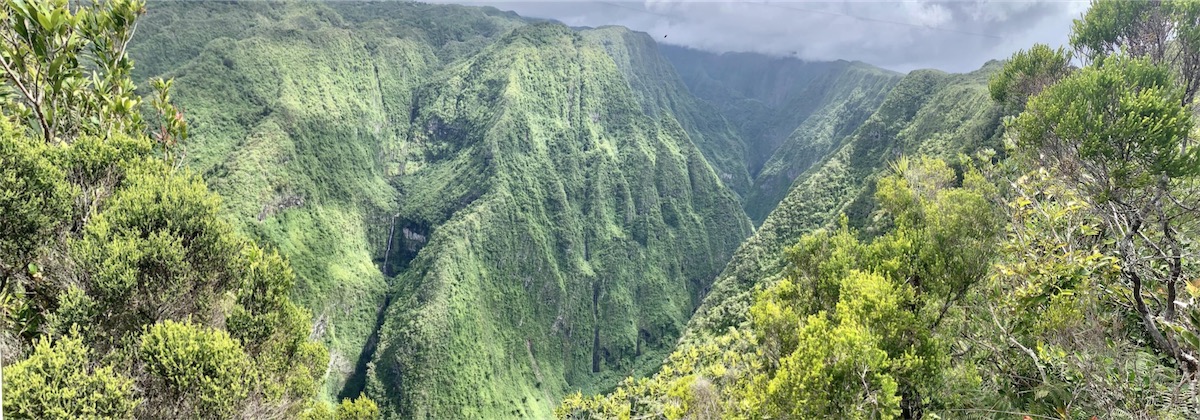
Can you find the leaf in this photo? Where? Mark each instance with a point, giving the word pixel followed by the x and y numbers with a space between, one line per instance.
pixel 1190 338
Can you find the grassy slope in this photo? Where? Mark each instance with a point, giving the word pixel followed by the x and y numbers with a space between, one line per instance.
pixel 792 113
pixel 293 110
pixel 590 232
pixel 928 112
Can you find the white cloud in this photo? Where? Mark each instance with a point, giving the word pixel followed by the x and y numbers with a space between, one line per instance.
pixel 901 35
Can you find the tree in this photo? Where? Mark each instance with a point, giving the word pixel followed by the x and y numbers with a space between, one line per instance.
pixel 46 50
pixel 59 381
pixel 1118 132
pixel 133 261
pixel 158 250
pixel 361 408
pixel 1027 73
pixel 1165 32
pixel 869 312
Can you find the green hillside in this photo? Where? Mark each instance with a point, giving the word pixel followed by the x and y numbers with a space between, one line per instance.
pixel 659 89
pixel 485 213
pixel 927 113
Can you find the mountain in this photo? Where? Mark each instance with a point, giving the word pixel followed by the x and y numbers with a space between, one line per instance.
pixel 483 212
pixel 928 113
pixel 588 232
pixel 791 113
pixel 658 87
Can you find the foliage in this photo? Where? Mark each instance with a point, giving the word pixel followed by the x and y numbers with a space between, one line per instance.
pixel 361 408
pixel 34 200
pixel 59 380
pixel 158 250
pixel 1083 313
pixel 1165 33
pixel 1130 165
pixel 853 327
pixel 834 368
pixel 1027 73
pixel 194 370
pixel 47 50
pixel 1141 143
pixel 116 246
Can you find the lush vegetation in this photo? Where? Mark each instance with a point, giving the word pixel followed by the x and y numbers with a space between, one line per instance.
pixel 125 293
pixel 432 211
pixel 587 235
pixel 433 168
pixel 1047 281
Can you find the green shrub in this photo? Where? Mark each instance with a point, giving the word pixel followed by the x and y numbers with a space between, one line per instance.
pixel 194 370
pixel 57 381
pixel 34 198
pixel 158 250
pixel 361 408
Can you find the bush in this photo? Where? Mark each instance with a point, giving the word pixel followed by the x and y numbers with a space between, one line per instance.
pixel 200 367
pixel 34 198
pixel 361 408
pixel 56 381
pixel 158 250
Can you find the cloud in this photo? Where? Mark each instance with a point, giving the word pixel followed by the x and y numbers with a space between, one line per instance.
pixel 900 35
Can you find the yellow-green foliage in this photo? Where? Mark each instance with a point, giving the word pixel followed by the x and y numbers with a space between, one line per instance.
pixel 202 371
pixel 834 371
pixel 34 197
pixel 852 327
pixel 158 250
pixel 60 380
pixel 361 408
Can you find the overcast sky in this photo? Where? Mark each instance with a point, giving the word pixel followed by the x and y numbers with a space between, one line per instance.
pixel 954 36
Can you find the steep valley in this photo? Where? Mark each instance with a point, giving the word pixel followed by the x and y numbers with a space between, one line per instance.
pixel 487 212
